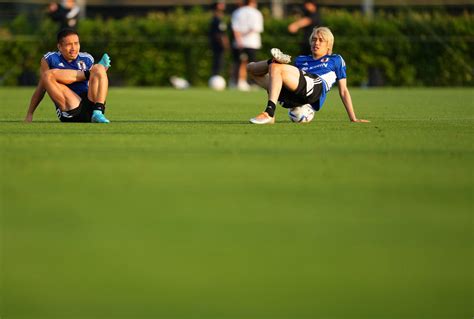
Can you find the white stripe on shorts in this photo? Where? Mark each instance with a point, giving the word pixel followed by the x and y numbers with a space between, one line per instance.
pixel 310 83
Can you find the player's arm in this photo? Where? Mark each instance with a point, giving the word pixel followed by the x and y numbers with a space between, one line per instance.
pixel 255 25
pixel 223 40
pixel 298 24
pixel 39 92
pixel 67 76
pixel 238 39
pixel 238 30
pixel 347 101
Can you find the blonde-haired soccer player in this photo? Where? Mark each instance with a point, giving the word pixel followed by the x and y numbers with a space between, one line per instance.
pixel 308 82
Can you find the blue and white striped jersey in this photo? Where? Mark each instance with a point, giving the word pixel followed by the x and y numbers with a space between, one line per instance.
pixel 330 68
pixel 83 62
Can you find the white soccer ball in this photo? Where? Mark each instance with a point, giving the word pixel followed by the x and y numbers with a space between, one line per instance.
pixel 217 82
pixel 179 83
pixel 301 114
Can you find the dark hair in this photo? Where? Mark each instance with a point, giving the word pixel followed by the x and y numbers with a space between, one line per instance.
pixel 66 32
pixel 311 1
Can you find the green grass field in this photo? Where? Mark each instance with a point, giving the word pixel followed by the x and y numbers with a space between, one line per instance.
pixel 181 209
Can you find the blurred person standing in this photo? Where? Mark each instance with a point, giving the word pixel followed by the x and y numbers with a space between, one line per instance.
pixel 311 18
pixel 65 13
pixel 247 25
pixel 218 37
pixel 237 67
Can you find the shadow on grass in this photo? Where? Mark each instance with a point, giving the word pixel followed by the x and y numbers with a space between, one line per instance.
pixel 183 121
pixel 21 121
pixel 142 121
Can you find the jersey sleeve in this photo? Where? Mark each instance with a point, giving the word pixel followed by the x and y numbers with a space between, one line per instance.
pixel 340 68
pixel 49 58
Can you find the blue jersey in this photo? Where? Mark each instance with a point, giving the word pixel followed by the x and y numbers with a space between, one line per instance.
pixel 83 62
pixel 330 68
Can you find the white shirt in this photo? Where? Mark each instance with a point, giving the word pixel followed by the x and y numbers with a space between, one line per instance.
pixel 248 21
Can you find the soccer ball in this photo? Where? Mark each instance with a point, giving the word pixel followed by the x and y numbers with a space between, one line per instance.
pixel 301 114
pixel 179 83
pixel 217 82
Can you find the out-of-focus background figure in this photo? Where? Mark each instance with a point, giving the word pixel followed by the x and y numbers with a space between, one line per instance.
pixel 310 19
pixel 247 25
pixel 65 13
pixel 218 39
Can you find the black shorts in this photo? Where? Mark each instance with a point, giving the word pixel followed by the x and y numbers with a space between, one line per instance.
pixel 82 113
pixel 309 91
pixel 245 54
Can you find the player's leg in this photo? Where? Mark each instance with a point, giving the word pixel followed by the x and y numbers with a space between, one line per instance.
pixel 55 82
pixel 279 75
pixel 258 71
pixel 98 89
pixel 235 66
pixel 98 84
pixel 242 83
pixel 252 57
pixel 282 74
pixel 217 60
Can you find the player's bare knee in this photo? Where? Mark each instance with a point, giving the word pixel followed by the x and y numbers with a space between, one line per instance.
pixel 275 68
pixel 98 70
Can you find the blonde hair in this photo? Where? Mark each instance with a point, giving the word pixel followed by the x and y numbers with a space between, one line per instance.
pixel 326 34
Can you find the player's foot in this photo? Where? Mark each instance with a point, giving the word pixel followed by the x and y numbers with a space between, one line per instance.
pixel 279 56
pixel 105 60
pixel 263 118
pixel 98 117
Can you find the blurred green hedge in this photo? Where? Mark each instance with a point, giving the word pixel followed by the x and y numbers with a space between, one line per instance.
pixel 399 49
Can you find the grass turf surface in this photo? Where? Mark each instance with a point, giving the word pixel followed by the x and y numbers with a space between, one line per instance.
pixel 180 209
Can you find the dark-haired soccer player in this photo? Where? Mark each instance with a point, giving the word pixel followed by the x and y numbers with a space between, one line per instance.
pixel 308 82
pixel 77 86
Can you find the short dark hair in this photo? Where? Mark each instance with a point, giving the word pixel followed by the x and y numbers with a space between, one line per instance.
pixel 66 32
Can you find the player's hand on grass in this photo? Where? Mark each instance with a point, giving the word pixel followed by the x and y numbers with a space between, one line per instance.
pixel 360 121
pixel 28 118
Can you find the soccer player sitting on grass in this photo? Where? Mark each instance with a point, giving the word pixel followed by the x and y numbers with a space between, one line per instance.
pixel 77 86
pixel 308 82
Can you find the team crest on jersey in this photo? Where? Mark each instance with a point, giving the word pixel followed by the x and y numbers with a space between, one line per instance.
pixel 325 60
pixel 82 65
